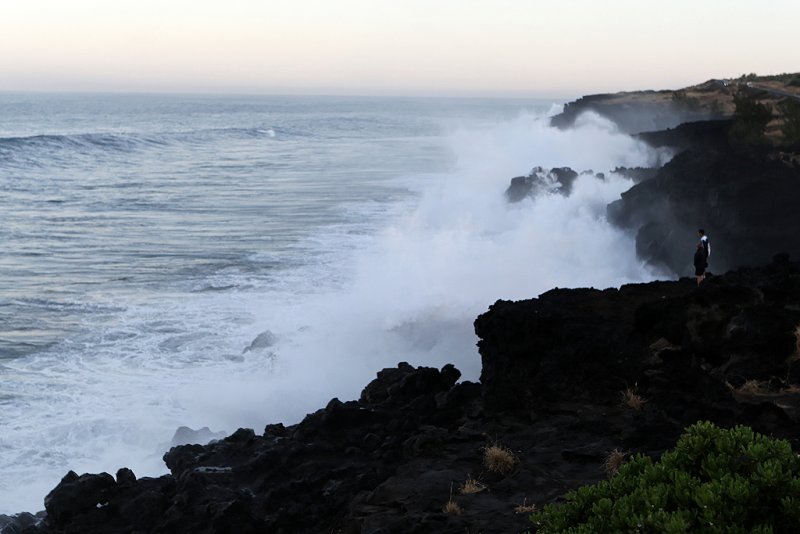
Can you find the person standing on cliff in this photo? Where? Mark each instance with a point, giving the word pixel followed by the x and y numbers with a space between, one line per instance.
pixel 704 241
pixel 700 263
pixel 701 255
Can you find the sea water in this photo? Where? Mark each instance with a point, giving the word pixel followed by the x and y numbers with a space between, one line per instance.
pixel 236 261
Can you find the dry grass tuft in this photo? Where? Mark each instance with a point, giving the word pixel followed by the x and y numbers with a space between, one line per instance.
pixel 525 508
pixel 614 461
pixel 633 400
pixel 471 486
pixel 498 459
pixel 451 506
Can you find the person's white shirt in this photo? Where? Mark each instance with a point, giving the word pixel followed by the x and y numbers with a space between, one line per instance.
pixel 706 245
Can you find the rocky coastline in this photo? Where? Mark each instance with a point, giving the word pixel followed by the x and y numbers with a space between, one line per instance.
pixel 567 377
pixel 558 372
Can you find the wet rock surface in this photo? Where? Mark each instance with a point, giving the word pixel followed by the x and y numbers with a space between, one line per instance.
pixel 554 372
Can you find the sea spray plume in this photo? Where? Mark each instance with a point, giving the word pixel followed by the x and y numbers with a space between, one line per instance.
pixel 408 292
pixel 513 148
pixel 412 291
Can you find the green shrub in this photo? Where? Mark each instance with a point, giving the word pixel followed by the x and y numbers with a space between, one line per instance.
pixel 714 480
pixel 749 120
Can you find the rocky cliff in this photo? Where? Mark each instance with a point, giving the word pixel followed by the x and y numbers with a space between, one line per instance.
pixel 645 111
pixel 567 378
pixel 745 198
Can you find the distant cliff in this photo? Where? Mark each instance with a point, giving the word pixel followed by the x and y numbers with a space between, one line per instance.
pixel 645 111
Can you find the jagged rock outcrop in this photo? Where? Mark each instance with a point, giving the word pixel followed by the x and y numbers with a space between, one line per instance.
pixel 554 370
pixel 557 180
pixel 587 344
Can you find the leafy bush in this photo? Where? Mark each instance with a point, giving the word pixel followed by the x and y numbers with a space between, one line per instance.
pixel 714 480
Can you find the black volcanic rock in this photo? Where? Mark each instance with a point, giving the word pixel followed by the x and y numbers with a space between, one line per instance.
pixel 557 180
pixel 698 135
pixel 554 368
pixel 745 199
pixel 681 348
pixel 568 343
pixel 77 495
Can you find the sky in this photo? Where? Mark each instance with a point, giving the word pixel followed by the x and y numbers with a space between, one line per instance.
pixel 390 47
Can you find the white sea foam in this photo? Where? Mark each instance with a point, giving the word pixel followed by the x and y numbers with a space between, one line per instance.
pixel 412 292
pixel 113 394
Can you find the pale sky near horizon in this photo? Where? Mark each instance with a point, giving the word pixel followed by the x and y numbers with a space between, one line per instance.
pixel 403 47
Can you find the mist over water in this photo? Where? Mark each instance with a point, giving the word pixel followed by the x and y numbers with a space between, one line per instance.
pixel 418 284
pixel 396 270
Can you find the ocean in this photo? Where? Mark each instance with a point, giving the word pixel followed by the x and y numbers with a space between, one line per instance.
pixel 229 261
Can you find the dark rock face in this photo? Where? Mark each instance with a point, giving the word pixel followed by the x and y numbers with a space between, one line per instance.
pixel 591 344
pixel 76 495
pixel 553 372
pixel 698 135
pixel 558 346
pixel 746 200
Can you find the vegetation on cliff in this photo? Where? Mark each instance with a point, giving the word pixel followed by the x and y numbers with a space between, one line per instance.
pixel 714 480
pixel 749 120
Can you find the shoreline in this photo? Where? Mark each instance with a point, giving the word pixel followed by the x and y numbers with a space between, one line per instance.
pixel 553 371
